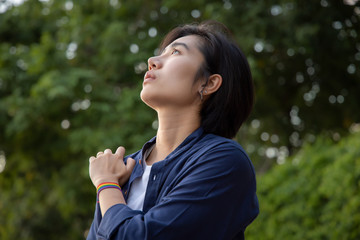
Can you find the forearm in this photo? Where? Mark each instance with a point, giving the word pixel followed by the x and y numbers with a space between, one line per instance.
pixel 110 197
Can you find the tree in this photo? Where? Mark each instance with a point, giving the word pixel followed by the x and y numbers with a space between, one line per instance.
pixel 314 195
pixel 306 61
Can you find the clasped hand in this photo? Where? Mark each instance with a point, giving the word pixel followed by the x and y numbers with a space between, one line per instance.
pixel 110 167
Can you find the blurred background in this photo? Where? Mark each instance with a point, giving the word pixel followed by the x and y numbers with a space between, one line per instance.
pixel 70 77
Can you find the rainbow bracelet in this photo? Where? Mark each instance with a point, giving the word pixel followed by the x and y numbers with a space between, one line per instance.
pixel 106 185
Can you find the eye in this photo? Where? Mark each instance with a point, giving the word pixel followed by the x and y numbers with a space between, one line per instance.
pixel 175 51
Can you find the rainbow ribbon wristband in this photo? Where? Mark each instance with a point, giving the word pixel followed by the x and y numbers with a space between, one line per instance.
pixel 106 185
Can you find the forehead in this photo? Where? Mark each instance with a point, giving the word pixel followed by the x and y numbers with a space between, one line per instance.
pixel 191 42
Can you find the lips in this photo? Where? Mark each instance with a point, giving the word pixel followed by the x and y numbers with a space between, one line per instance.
pixel 149 76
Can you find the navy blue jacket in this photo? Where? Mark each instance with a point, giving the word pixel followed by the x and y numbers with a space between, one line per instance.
pixel 204 189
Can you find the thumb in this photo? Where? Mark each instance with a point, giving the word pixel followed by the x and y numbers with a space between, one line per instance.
pixel 130 164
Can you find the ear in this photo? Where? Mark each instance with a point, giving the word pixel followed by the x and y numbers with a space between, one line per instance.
pixel 213 84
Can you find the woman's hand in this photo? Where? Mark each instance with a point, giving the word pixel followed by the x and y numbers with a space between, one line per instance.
pixel 110 167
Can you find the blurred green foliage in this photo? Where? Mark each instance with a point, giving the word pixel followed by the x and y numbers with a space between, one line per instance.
pixel 314 195
pixel 71 73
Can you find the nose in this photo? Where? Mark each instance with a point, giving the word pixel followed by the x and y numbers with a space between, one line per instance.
pixel 154 63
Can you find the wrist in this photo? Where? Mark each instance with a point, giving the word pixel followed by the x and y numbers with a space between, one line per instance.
pixel 103 180
pixel 106 185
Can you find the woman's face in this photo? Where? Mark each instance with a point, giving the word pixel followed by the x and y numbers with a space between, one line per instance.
pixel 169 83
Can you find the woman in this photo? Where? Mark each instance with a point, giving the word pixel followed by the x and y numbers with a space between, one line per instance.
pixel 191 181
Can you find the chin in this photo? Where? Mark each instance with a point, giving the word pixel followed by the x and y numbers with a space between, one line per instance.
pixel 146 99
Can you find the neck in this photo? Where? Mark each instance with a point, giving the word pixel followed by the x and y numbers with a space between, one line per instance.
pixel 173 128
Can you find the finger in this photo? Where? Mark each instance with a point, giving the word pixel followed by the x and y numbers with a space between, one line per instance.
pixel 120 151
pixel 107 151
pixel 130 164
pixel 92 158
pixel 99 153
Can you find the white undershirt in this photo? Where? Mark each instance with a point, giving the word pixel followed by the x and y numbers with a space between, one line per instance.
pixel 138 186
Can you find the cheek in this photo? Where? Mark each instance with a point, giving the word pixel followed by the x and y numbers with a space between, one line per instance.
pixel 185 68
pixel 181 80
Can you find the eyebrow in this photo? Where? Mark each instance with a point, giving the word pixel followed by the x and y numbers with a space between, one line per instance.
pixel 176 44
pixel 179 44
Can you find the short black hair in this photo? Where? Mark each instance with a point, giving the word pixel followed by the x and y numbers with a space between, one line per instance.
pixel 224 111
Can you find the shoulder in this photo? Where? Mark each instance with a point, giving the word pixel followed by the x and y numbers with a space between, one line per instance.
pixel 214 144
pixel 225 152
pixel 215 140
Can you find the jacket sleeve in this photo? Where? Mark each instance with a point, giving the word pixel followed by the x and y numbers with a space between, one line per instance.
pixel 214 197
